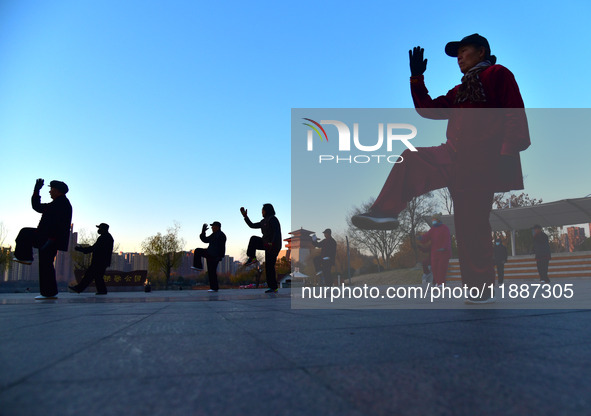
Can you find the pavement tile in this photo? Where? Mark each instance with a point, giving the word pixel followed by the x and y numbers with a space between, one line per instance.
pixel 502 385
pixel 246 353
pixel 272 392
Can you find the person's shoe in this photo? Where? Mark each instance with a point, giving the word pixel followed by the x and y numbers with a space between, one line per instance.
pixel 41 297
pixel 74 289
pixel 250 262
pixel 271 290
pixel 480 300
pixel 319 273
pixel 197 269
pixel 212 290
pixel 100 293
pixel 27 262
pixel 369 221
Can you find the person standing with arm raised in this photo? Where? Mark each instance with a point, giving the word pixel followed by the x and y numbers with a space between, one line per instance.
pixel 214 253
pixel 52 234
pixel 486 130
pixel 270 242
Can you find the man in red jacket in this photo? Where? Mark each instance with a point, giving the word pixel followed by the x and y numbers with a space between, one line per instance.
pixel 439 238
pixel 486 130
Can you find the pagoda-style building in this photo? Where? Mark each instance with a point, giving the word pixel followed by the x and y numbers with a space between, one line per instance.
pixel 300 246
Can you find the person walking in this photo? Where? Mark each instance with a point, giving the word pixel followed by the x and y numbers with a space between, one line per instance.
pixel 102 251
pixel 500 256
pixel 486 130
pixel 270 242
pixel 52 234
pixel 213 254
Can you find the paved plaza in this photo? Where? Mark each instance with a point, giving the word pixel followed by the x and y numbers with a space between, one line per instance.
pixel 244 352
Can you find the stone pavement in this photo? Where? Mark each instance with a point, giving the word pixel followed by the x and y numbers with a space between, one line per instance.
pixel 242 352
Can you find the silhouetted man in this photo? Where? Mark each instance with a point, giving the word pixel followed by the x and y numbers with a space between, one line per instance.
pixel 328 251
pixel 542 252
pixel 500 256
pixel 271 242
pixel 102 252
pixel 214 253
pixel 52 234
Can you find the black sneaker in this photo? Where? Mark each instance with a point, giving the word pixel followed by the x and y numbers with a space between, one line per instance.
pixel 197 269
pixel 27 262
pixel 369 221
pixel 271 290
pixel 480 300
pixel 251 261
pixel 74 289
pixel 100 293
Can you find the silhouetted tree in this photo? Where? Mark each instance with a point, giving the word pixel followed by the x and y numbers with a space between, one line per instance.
pixel 164 251
pixel 412 219
pixel 380 243
pixel 445 201
pixel 80 260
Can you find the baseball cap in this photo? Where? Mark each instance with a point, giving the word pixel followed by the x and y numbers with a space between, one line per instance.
pixel 451 49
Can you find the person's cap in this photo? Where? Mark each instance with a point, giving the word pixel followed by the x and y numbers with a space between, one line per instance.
pixel 216 223
pixel 104 226
pixel 537 227
pixel 327 231
pixel 451 49
pixel 436 216
pixel 60 186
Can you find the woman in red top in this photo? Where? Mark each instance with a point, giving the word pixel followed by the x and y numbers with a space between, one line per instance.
pixel 486 130
pixel 439 238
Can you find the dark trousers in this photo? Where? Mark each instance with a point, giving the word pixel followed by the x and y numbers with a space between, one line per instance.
pixel 95 273
pixel 433 168
pixel 324 266
pixel 29 238
pixel 500 272
pixel 256 243
pixel 543 269
pixel 212 265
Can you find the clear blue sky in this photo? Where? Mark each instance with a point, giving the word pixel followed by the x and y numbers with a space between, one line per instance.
pixel 162 111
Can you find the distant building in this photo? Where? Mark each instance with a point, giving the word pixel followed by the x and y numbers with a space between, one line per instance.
pixel 300 246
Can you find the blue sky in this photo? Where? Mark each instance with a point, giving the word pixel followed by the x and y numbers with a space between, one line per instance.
pixel 154 111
